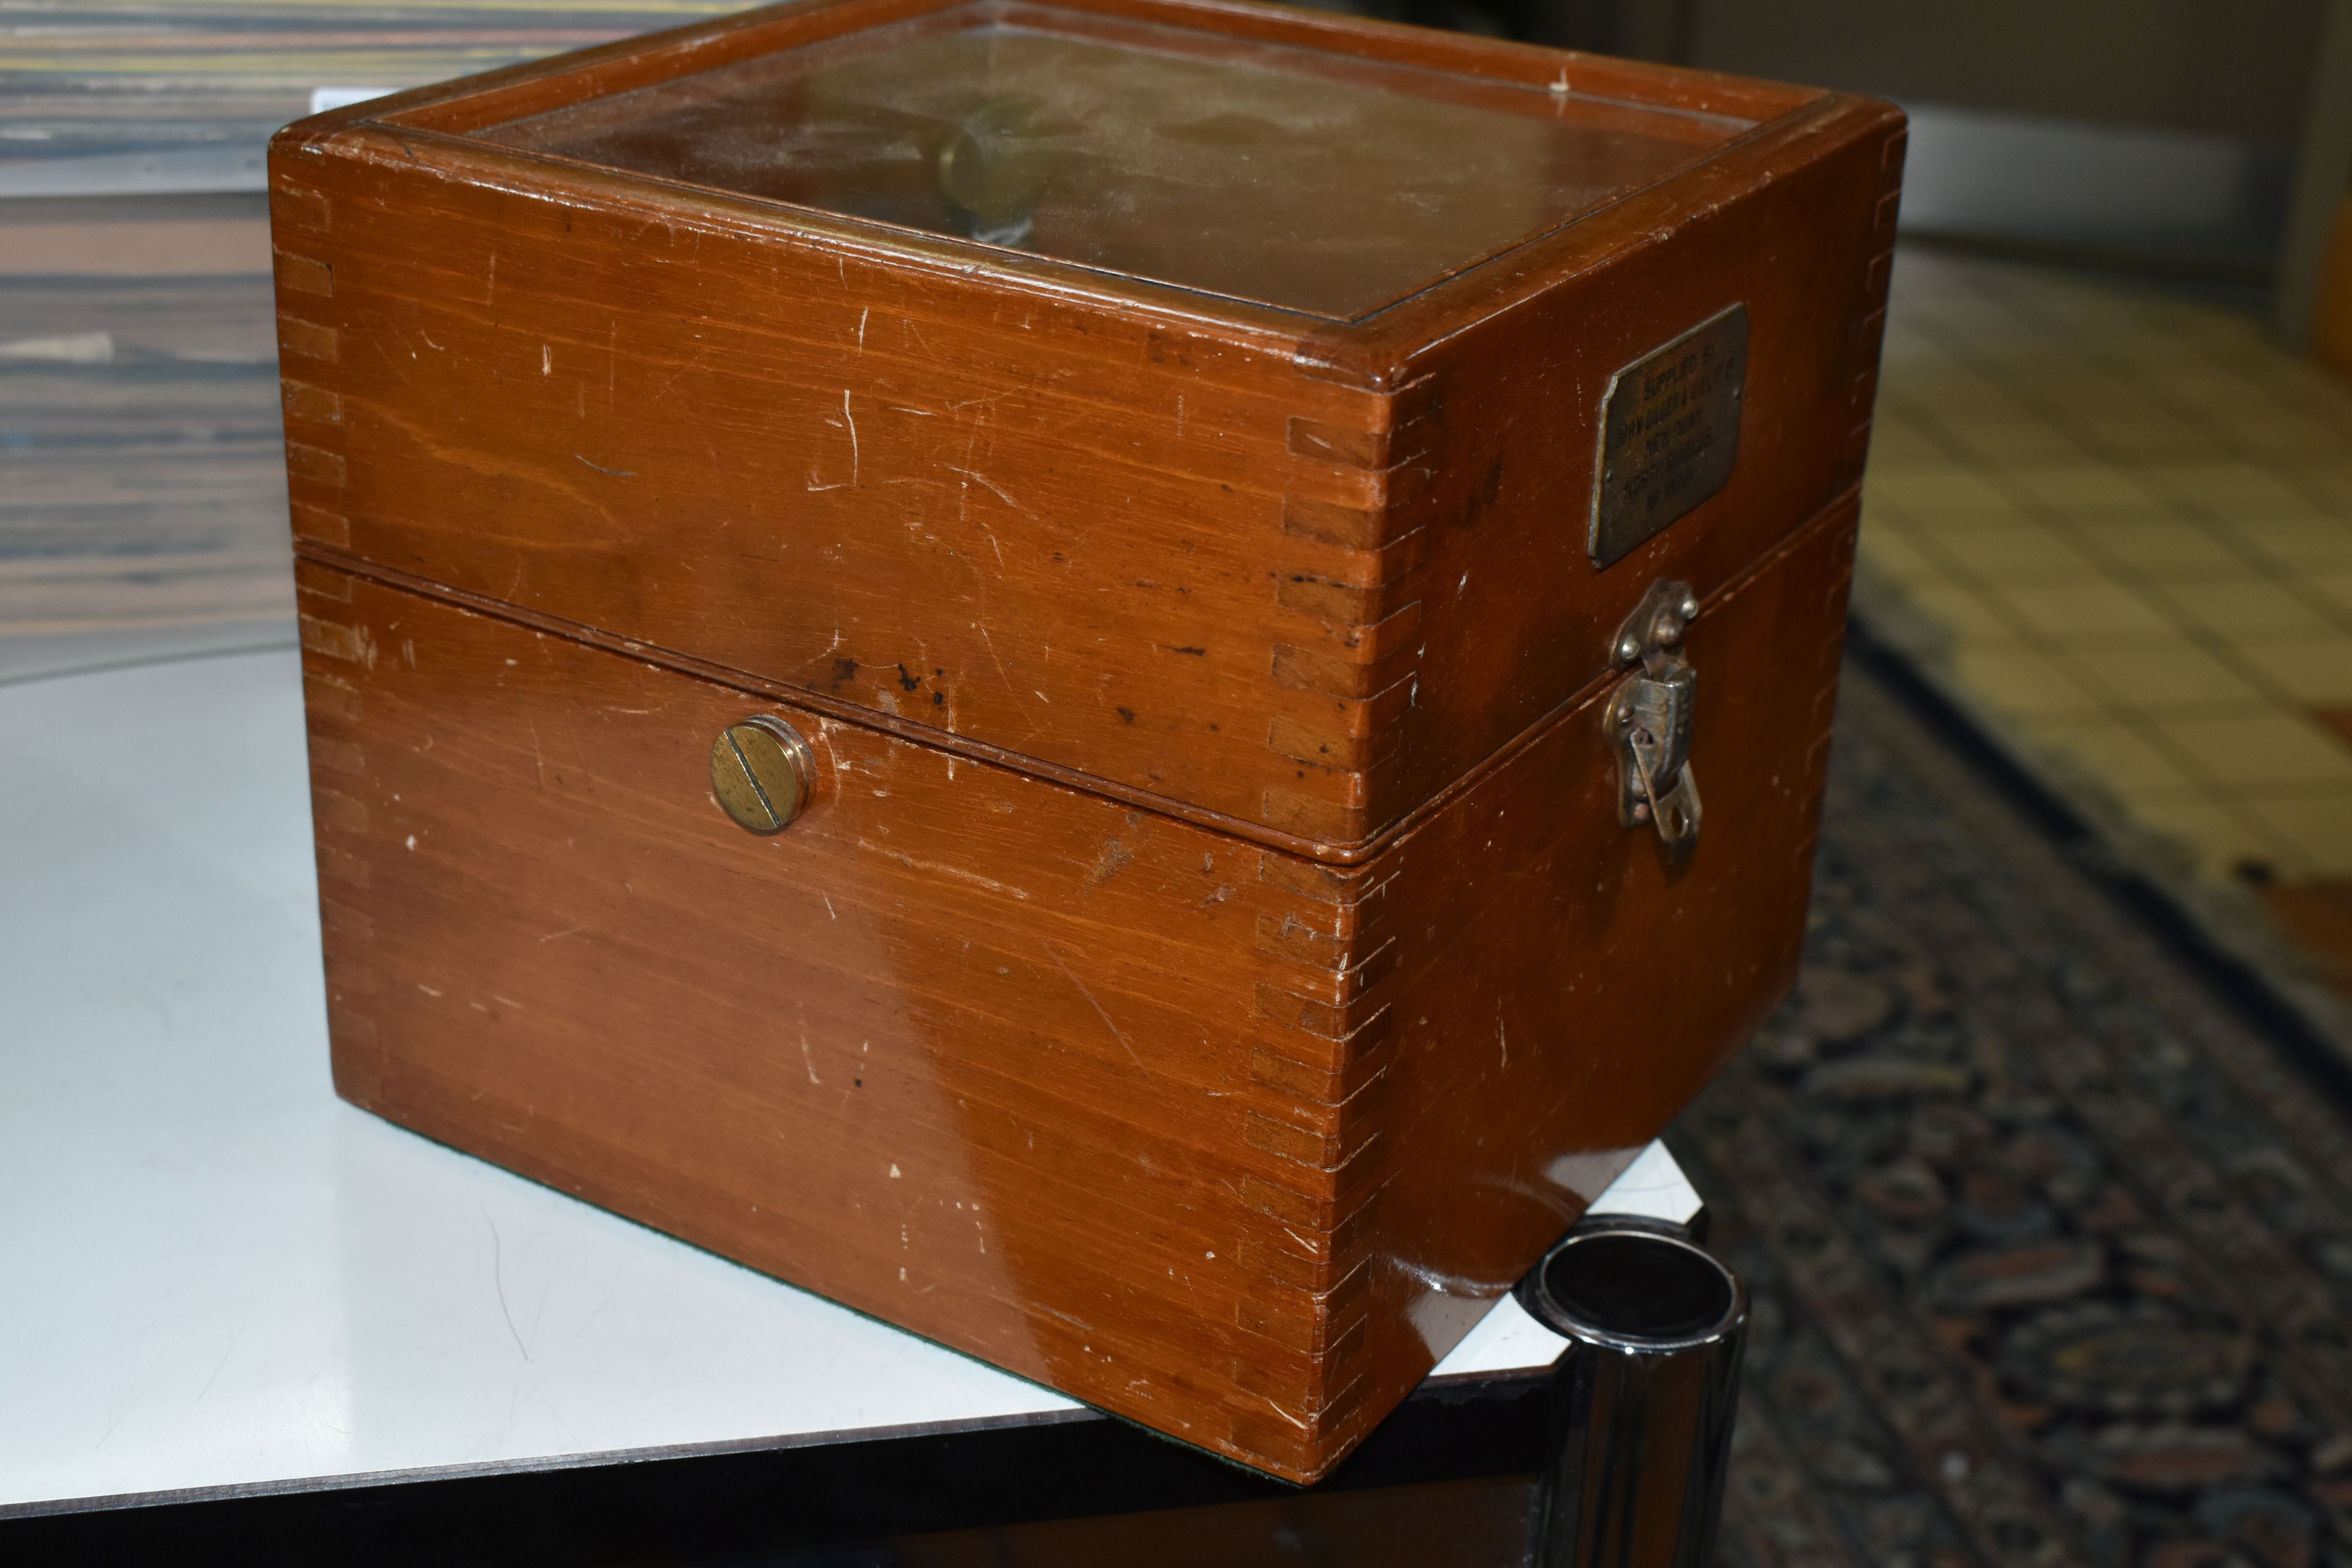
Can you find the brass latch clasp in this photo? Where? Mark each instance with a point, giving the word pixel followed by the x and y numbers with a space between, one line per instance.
pixel 1649 718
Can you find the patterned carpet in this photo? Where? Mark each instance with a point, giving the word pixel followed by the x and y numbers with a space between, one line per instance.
pixel 2050 1254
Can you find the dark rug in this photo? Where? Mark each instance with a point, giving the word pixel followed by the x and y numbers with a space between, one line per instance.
pixel 2050 1251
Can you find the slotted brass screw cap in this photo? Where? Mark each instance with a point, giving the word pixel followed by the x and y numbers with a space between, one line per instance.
pixel 763 773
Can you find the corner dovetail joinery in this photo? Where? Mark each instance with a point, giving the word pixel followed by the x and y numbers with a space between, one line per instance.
pixel 1865 340
pixel 1323 1055
pixel 318 470
pixel 1347 666
pixel 309 356
pixel 1349 609
pixel 332 637
pixel 1868 333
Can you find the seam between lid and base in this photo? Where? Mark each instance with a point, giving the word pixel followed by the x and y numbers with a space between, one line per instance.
pixel 1323 852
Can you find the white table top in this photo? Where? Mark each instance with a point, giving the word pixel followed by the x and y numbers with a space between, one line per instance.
pixel 218 1274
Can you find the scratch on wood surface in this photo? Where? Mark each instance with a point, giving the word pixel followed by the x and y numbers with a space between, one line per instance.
pixel 976 477
pixel 1096 1006
pixel 1003 675
pixel 852 427
pixel 912 864
pixel 972 446
pixel 822 655
pixel 1286 1415
pixel 807 1056
pixel 861 327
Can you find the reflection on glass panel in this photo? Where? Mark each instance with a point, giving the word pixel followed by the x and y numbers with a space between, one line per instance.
pixel 1318 182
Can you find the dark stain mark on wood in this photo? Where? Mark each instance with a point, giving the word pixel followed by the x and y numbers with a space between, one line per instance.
pixel 1115 858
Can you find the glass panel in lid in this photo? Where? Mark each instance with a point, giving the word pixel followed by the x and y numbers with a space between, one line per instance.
pixel 1312 182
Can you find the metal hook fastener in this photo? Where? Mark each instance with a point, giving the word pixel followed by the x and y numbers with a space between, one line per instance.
pixel 1649 718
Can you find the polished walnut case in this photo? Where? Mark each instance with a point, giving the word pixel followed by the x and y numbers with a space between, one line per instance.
pixel 1167 459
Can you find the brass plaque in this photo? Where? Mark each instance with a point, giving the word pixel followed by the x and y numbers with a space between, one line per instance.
pixel 1669 433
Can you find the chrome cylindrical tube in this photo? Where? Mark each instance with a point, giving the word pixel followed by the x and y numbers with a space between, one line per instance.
pixel 1644 1397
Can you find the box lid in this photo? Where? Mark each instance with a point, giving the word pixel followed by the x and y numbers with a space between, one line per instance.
pixel 1299 178
pixel 1198 401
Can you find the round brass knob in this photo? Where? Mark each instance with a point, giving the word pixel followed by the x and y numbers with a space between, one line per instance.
pixel 763 773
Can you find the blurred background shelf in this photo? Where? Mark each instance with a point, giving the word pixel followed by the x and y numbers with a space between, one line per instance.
pixel 181 95
pixel 142 511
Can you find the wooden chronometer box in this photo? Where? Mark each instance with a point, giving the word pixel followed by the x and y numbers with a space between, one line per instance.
pixel 1214 487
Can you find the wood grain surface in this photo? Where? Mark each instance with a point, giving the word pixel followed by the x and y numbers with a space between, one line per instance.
pixel 1212 968
pixel 1218 1138
pixel 1289 577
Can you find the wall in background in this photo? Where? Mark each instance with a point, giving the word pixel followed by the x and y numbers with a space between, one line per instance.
pixel 2154 130
pixel 2220 68
pixel 2188 200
